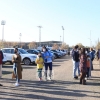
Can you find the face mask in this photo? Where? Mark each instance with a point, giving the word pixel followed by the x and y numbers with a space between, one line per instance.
pixel 44 50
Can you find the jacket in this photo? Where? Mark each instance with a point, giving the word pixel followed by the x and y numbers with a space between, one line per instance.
pixel 83 63
pixel 39 62
pixel 76 56
pixel 45 55
pixel 19 67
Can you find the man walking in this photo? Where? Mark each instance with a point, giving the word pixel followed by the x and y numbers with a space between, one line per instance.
pixel 1 58
pixel 75 62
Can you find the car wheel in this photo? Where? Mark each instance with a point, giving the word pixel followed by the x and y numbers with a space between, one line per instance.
pixel 26 61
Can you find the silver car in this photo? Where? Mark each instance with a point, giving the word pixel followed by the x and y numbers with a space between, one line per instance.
pixel 25 56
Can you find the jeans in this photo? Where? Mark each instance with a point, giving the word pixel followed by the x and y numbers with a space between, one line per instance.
pixel 40 73
pixel 15 72
pixel 75 67
pixel 50 69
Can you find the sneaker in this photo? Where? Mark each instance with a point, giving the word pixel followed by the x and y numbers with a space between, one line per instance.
pixel 49 78
pixel 76 77
pixel 40 79
pixel 16 84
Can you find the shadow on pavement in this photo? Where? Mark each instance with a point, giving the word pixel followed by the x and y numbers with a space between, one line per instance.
pixel 53 90
pixel 6 72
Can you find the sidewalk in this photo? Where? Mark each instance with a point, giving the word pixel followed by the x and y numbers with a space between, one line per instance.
pixel 63 87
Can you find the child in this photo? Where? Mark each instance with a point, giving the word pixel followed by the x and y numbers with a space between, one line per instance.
pixel 39 62
pixel 88 66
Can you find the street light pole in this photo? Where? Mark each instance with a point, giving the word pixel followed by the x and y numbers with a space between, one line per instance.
pixel 90 40
pixel 60 38
pixel 3 23
pixel 63 33
pixel 40 34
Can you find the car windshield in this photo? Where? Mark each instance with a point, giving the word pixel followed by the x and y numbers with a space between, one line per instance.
pixel 36 50
pixel 22 51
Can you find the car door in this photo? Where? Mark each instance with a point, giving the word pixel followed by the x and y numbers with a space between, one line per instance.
pixel 8 54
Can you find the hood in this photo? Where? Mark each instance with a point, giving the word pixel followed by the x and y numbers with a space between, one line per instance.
pixel 29 55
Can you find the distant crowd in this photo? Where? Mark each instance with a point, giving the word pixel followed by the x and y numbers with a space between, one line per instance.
pixel 82 59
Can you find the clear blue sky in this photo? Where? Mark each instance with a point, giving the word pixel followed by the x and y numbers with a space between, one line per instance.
pixel 77 16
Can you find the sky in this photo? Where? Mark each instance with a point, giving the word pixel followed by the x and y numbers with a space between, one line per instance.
pixel 78 17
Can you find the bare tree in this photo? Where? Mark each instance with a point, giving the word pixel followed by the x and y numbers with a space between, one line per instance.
pixel 64 46
pixel 32 45
pixel 98 45
pixel 55 46
pixel 80 45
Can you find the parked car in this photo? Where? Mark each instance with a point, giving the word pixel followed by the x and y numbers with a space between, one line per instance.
pixel 58 52
pixel 25 56
pixel 57 55
pixel 4 59
pixel 33 51
pixel 62 53
pixel 65 51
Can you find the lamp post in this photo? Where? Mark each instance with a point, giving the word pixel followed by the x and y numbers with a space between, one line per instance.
pixel 60 38
pixel 90 39
pixel 63 33
pixel 40 35
pixel 20 39
pixel 3 22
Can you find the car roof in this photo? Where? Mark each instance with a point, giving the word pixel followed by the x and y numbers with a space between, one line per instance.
pixel 11 48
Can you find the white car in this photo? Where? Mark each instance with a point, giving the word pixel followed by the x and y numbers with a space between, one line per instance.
pixel 25 56
pixel 4 59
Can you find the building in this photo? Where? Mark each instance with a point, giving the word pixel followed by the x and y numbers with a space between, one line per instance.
pixel 49 43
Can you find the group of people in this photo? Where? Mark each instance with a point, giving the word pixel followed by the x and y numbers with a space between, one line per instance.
pixel 82 61
pixel 43 59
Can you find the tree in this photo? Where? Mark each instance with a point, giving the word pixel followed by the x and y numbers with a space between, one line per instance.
pixel 55 46
pixel 98 45
pixel 64 46
pixel 32 45
pixel 80 45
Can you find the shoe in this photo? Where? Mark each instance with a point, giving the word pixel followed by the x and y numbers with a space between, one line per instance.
pixel 1 85
pixel 16 84
pixel 40 79
pixel 49 78
pixel 76 77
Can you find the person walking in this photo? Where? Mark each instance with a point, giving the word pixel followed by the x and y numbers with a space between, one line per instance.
pixel 1 58
pixel 92 57
pixel 88 67
pixel 98 56
pixel 47 56
pixel 83 66
pixel 17 69
pixel 39 61
pixel 75 62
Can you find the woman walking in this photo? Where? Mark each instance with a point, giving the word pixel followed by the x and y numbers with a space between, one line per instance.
pixel 83 66
pixel 47 56
pixel 17 69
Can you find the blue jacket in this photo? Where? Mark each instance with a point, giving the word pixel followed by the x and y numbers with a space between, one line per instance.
pixel 45 54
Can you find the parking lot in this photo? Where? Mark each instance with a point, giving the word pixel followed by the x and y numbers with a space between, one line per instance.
pixel 62 87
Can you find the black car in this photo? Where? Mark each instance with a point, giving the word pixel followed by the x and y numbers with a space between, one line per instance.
pixel 33 51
